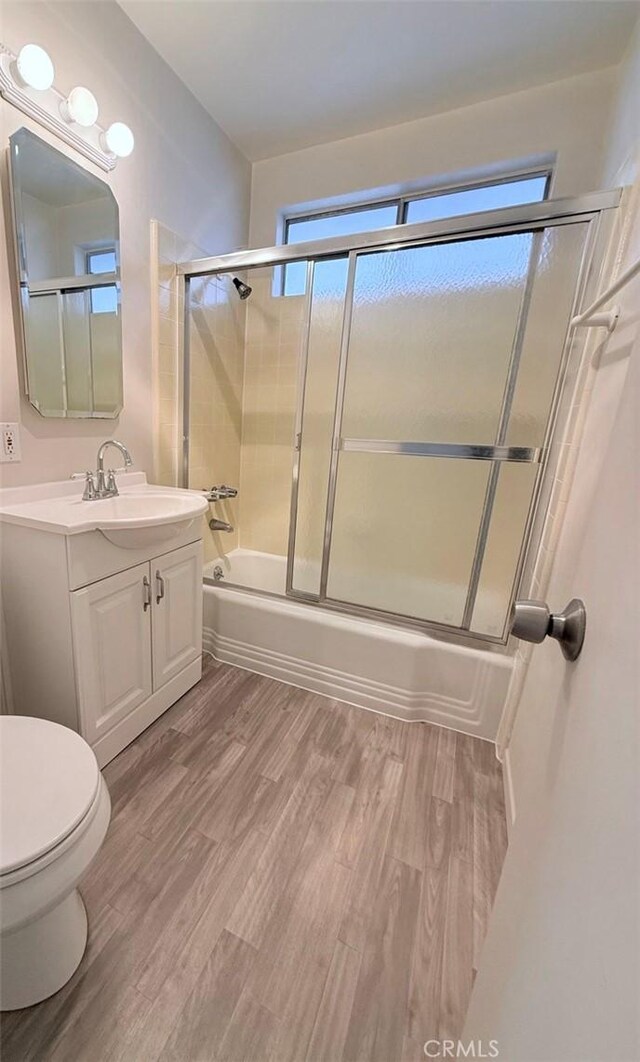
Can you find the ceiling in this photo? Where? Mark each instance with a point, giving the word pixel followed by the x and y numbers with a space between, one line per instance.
pixel 279 75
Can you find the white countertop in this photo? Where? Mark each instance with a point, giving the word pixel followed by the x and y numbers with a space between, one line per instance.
pixel 58 507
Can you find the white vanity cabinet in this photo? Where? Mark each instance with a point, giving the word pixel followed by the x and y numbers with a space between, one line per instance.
pixel 111 623
pixel 133 633
pixel 99 637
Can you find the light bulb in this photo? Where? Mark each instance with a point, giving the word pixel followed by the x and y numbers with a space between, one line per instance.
pixel 35 67
pixel 80 106
pixel 118 139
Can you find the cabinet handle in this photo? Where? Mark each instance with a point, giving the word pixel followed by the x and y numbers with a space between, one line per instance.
pixel 147 593
pixel 159 588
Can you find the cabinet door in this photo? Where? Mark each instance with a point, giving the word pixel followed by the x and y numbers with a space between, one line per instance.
pixel 176 581
pixel 112 645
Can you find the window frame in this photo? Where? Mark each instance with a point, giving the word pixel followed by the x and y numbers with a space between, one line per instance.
pixel 93 252
pixel 402 203
pixel 89 253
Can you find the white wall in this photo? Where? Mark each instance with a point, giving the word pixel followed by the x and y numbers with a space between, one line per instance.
pixel 559 976
pixel 184 171
pixel 567 118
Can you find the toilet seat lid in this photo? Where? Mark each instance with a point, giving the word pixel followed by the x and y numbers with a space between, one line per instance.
pixel 49 778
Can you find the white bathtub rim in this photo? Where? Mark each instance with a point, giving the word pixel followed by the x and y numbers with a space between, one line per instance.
pixel 308 612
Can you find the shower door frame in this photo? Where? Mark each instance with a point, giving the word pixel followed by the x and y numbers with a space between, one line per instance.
pixel 533 218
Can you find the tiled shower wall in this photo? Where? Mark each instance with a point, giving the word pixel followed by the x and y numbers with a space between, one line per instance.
pixel 274 326
pixel 165 323
pixel 217 345
pixel 216 378
pixel 243 379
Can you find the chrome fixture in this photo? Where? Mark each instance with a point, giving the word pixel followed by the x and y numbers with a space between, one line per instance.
pixel 96 485
pixel 110 488
pixel 89 485
pixel 465 451
pixel 159 587
pixel 609 319
pixel 218 573
pixel 243 289
pixel 533 622
pixel 220 525
pixel 547 210
pixel 221 493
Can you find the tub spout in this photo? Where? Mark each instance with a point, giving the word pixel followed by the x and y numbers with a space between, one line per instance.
pixel 220 525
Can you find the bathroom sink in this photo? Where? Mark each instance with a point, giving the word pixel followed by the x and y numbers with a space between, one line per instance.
pixel 140 515
pixel 146 518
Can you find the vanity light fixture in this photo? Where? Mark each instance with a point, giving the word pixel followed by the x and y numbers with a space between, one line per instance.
pixel 118 139
pixel 34 67
pixel 26 81
pixel 81 107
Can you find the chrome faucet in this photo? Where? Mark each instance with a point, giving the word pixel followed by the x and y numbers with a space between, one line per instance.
pixel 109 489
pixel 97 485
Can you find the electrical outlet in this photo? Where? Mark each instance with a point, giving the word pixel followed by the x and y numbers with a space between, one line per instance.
pixel 10 442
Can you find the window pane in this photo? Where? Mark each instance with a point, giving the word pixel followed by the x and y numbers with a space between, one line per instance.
pixel 319 228
pixel 295 278
pixel 341 224
pixel 104 300
pixel 473 200
pixel 101 262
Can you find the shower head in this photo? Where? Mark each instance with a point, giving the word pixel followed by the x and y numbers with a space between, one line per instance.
pixel 243 290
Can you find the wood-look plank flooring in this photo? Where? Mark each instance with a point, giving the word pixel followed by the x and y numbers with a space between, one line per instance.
pixel 285 877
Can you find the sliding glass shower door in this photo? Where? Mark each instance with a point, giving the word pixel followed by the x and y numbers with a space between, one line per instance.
pixel 426 395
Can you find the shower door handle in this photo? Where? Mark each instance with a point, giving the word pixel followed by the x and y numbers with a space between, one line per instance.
pixel 533 621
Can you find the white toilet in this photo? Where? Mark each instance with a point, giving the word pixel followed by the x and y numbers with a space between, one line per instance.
pixel 54 813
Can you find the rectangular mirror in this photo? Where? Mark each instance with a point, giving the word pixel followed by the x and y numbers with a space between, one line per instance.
pixel 67 241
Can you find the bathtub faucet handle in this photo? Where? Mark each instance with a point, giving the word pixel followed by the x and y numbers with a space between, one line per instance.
pixel 220 493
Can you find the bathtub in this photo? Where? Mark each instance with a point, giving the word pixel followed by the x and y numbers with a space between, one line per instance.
pixel 393 670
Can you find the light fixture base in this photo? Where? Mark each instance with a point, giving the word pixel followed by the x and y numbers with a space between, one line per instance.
pixel 43 106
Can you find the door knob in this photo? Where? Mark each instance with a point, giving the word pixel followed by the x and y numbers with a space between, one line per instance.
pixel 533 621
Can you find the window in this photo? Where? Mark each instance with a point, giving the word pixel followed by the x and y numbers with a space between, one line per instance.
pixel 103 299
pixel 530 188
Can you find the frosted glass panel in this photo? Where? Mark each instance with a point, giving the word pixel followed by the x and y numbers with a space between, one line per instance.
pixel 431 338
pixel 327 306
pixel 559 254
pixel 511 507
pixel 77 350
pixel 106 365
pixel 325 225
pixel 46 356
pixel 404 533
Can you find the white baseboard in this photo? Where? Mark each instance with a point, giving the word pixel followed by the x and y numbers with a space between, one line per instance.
pixel 509 794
